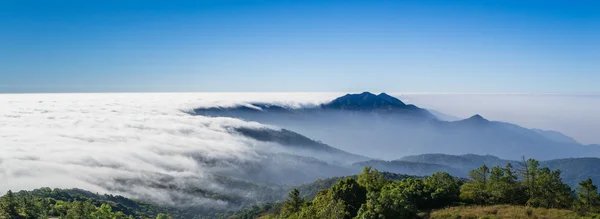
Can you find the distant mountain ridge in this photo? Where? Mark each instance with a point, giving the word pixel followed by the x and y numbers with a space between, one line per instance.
pixel 303 145
pixel 369 102
pixel 384 127
pixel 409 167
pixel 363 102
pixel 573 170
pixel 556 136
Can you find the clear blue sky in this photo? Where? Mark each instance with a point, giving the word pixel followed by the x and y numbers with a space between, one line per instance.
pixel 473 46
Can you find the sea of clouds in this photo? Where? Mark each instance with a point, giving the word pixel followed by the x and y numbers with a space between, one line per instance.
pixel 99 141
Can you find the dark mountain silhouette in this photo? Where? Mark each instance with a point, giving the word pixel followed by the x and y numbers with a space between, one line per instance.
pixel 365 102
pixel 369 102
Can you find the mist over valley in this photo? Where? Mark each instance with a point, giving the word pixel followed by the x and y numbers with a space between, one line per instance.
pixel 231 150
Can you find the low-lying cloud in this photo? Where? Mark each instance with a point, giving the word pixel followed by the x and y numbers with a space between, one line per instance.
pixel 134 144
pixel 99 141
pixel 574 115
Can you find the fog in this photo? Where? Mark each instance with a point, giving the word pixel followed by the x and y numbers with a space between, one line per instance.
pixel 127 144
pixel 574 115
pixel 133 144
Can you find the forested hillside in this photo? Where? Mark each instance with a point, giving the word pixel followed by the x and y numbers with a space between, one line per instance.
pixel 510 192
pixel 525 193
pixel 77 203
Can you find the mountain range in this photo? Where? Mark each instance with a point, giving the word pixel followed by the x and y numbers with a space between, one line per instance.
pixel 311 148
pixel 291 147
pixel 383 127
pixel 381 131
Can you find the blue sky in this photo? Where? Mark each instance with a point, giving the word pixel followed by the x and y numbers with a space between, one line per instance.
pixel 470 46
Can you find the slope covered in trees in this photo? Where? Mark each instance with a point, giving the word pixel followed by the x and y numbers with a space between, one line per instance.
pixel 527 189
pixel 372 196
pixel 573 170
pixel 77 203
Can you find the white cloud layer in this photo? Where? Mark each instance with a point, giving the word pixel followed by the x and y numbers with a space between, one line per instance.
pixel 90 141
pixel 95 141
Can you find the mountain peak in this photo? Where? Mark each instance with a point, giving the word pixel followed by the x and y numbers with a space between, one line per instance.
pixel 365 101
pixel 390 99
pixel 475 119
pixel 366 93
pixel 369 102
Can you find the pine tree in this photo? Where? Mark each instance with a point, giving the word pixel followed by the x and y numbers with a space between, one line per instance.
pixel 587 194
pixel 9 206
pixel 475 190
pixel 530 174
pixel 444 189
pixel 515 192
pixel 294 202
pixel 371 179
pixel 351 194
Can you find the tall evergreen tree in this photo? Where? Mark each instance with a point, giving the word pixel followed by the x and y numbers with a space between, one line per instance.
pixel 371 179
pixel 550 191
pixel 443 189
pixel 529 173
pixel 293 203
pixel 351 194
pixel 9 206
pixel 475 190
pixel 587 194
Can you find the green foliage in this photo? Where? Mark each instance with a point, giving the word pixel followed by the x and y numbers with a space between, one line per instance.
pixel 540 187
pixel 475 191
pixel 444 189
pixel 530 175
pixel 587 194
pixel 323 206
pixel 9 206
pixel 326 206
pixel 503 187
pixel 371 179
pixel 293 204
pixel 162 216
pixel 396 200
pixel 71 204
pixel 349 192
pixel 370 195
pixel 258 211
pixel 550 191
pixel 80 210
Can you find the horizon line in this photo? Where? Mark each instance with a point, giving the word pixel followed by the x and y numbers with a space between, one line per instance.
pixel 330 92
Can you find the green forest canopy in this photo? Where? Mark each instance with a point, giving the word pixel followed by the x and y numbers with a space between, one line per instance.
pixel 370 195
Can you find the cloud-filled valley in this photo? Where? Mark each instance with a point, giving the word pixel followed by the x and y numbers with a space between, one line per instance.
pixel 98 141
pixel 149 146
